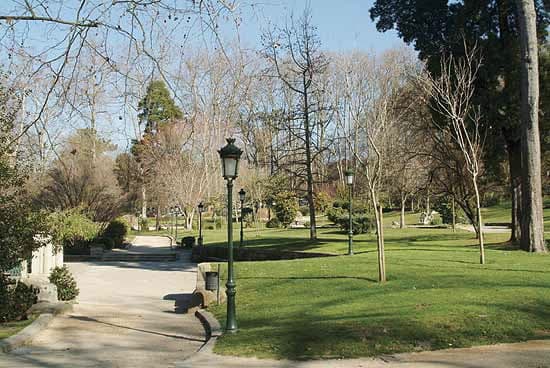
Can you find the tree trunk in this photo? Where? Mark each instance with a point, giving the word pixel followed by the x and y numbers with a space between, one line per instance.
pixel 403 202
pixel 379 238
pixel 514 162
pixel 428 209
pixel 143 201
pixel 189 220
pixel 310 201
pixel 157 219
pixel 412 204
pixel 453 209
pixel 479 224
pixel 532 234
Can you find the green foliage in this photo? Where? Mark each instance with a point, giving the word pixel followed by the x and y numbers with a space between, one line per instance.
pixel 436 221
pixel 116 230
pixel 362 223
pixel 65 282
pixel 16 299
pixel 157 107
pixel 304 210
pixel 334 213
pixel 70 228
pixel 20 221
pixel 322 201
pixel 188 241
pixel 273 223
pixel 286 207
pixel 144 223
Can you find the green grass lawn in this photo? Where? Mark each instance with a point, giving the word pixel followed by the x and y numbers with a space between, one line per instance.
pixel 8 329
pixel 437 296
pixel 501 213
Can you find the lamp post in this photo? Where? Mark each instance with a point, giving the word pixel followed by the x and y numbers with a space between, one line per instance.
pixel 349 181
pixel 242 196
pixel 230 155
pixel 176 210
pixel 201 210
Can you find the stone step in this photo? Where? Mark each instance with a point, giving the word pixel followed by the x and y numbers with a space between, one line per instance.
pixel 139 257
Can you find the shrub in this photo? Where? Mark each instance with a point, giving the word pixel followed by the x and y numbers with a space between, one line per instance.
pixel 65 282
pixel 116 230
pixel 322 201
pixel 188 241
pixel 71 228
pixel 144 224
pixel 307 224
pixel 273 223
pixel 106 243
pixel 436 221
pixel 362 223
pixel 286 207
pixel 210 227
pixel 16 300
pixel 218 224
pixel 304 210
pixel 334 213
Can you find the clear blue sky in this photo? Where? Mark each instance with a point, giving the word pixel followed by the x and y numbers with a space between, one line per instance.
pixel 342 24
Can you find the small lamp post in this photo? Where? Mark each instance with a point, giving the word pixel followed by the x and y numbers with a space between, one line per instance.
pixel 349 181
pixel 176 212
pixel 201 210
pixel 230 155
pixel 242 196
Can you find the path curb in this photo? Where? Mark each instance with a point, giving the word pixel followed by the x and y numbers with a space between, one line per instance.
pixel 212 329
pixel 26 335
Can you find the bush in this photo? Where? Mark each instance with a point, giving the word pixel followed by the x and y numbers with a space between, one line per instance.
pixel 70 228
pixel 210 227
pixel 362 223
pixel 436 221
pixel 218 224
pixel 307 224
pixel 322 201
pixel 286 207
pixel 273 223
pixel 188 241
pixel 16 300
pixel 117 231
pixel 144 224
pixel 106 243
pixel 65 282
pixel 334 213
pixel 304 210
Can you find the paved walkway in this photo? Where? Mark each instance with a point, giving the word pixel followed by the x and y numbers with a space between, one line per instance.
pixel 129 315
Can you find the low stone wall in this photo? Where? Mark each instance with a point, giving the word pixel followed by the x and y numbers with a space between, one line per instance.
pixel 219 253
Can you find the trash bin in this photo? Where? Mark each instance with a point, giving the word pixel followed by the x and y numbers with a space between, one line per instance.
pixel 211 281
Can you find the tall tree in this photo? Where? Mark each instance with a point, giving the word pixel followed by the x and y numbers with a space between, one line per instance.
pixel 156 110
pixel 295 53
pixel 438 28
pixel 533 222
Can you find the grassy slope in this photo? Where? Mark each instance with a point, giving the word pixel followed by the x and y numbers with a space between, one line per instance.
pixel 437 296
pixel 11 328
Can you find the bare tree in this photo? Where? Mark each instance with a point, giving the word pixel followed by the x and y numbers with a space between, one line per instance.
pixel 451 97
pixel 298 61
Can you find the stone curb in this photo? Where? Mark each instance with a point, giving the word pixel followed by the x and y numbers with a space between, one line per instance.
pixel 26 335
pixel 212 329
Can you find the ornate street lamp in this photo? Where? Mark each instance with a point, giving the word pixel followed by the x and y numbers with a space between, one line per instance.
pixel 349 181
pixel 242 196
pixel 201 210
pixel 230 155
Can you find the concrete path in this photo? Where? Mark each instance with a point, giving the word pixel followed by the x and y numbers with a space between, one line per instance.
pixel 486 229
pixel 129 315
pixel 532 354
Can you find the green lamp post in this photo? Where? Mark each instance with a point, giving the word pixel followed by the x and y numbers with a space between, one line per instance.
pixel 201 210
pixel 230 155
pixel 349 181
pixel 242 197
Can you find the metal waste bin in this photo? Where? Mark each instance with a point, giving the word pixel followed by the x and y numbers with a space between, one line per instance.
pixel 211 281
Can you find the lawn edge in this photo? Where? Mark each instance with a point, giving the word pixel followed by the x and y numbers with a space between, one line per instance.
pixel 26 335
pixel 212 329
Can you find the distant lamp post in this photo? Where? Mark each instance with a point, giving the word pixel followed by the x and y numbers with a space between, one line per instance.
pixel 201 210
pixel 230 155
pixel 176 213
pixel 242 196
pixel 349 181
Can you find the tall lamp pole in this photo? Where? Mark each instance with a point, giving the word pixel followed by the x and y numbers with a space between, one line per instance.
pixel 176 210
pixel 201 210
pixel 349 181
pixel 230 155
pixel 242 196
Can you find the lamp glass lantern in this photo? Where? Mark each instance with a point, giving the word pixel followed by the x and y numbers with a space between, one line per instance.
pixel 230 155
pixel 242 195
pixel 201 207
pixel 349 177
